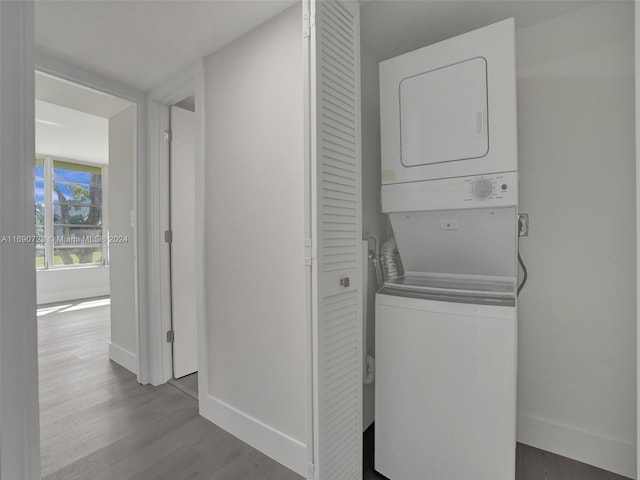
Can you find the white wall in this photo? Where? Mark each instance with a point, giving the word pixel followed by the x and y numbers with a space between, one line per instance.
pixel 577 349
pixel 254 200
pixel 122 150
pixel 63 284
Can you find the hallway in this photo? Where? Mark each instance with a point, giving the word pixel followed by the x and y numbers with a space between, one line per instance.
pixel 98 423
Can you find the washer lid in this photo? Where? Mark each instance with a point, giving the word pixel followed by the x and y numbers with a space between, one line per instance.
pixel 463 284
pixel 499 301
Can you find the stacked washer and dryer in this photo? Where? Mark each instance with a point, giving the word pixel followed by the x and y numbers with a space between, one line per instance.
pixel 446 330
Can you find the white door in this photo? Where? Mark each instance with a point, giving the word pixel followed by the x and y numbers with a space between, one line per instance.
pixel 335 209
pixel 183 258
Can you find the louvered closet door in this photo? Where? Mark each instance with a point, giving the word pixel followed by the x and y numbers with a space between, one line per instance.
pixel 336 223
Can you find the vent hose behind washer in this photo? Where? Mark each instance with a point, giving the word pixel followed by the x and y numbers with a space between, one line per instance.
pixel 374 256
pixel 389 259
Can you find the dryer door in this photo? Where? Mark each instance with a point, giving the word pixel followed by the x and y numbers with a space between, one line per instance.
pixel 449 109
pixel 443 114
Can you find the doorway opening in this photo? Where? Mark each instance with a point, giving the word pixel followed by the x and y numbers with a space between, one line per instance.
pixel 85 255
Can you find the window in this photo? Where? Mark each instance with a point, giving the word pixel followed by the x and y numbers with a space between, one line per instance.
pixel 69 214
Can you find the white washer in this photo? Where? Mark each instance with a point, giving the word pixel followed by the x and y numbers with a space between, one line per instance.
pixel 445 386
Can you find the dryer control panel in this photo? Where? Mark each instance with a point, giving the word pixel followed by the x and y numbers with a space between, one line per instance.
pixel 478 191
pixel 488 187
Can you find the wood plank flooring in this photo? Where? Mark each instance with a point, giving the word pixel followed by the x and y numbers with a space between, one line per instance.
pixel 190 381
pixel 187 384
pixel 98 423
pixel 531 464
pixel 535 464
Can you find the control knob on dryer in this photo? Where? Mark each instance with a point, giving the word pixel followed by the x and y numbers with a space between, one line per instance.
pixel 481 188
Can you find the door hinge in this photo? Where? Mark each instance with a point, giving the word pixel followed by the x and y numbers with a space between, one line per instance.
pixel 310 252
pixel 167 136
pixel 168 236
pixel 170 336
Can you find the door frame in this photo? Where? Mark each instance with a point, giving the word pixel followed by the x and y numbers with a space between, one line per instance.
pixel 19 409
pixel 159 360
pixel 637 115
pixel 307 46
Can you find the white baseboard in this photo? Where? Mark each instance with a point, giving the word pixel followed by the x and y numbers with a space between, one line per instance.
pixel 608 453
pixel 281 447
pixel 67 295
pixel 124 358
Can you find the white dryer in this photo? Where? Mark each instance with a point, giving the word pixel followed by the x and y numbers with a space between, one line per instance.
pixel 449 109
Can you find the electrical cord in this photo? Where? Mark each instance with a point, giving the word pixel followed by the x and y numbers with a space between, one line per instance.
pixel 524 271
pixel 524 268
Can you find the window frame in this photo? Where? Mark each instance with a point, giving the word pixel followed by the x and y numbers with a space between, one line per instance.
pixel 49 212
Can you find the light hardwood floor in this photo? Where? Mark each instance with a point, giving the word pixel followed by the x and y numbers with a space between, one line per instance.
pixel 98 423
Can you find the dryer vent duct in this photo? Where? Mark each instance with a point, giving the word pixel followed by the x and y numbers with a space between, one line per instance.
pixel 389 259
